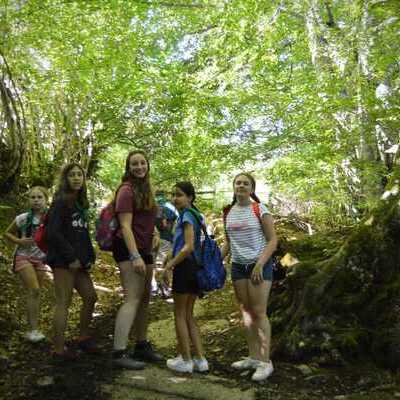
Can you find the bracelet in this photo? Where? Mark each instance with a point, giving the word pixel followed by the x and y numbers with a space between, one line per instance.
pixel 134 256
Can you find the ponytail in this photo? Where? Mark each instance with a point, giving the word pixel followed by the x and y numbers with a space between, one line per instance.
pixel 255 197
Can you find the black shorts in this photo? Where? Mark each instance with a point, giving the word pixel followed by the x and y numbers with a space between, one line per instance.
pixel 121 252
pixel 184 280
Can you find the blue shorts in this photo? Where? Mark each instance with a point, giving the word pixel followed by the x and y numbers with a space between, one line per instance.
pixel 243 271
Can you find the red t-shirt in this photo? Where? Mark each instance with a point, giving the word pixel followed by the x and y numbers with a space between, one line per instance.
pixel 143 221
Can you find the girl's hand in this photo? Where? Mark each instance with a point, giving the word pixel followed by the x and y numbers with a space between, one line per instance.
pixel 156 240
pixel 75 265
pixel 257 274
pixel 166 277
pixel 26 242
pixel 169 266
pixel 139 266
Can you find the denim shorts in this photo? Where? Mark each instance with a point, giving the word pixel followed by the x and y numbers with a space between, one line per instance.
pixel 243 271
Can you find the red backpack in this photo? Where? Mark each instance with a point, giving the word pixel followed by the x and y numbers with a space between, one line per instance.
pixel 254 206
pixel 40 236
pixel 278 270
pixel 107 224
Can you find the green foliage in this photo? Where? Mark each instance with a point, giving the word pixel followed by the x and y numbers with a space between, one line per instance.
pixel 209 88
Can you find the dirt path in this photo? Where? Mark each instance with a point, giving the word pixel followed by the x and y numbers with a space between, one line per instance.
pixel 27 372
pixel 159 383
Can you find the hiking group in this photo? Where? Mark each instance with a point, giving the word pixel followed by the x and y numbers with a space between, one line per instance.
pixel 192 263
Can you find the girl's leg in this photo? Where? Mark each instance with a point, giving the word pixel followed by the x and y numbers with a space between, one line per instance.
pixel 181 327
pixel 84 285
pixel 141 320
pixel 63 284
pixel 133 285
pixel 242 296
pixel 41 276
pixel 30 280
pixel 260 326
pixel 193 329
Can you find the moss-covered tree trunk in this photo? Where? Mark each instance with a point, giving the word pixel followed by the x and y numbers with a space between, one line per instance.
pixel 12 129
pixel 348 304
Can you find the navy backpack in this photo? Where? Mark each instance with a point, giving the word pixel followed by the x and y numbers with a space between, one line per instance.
pixel 211 274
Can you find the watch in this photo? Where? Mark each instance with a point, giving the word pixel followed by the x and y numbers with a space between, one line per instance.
pixel 134 256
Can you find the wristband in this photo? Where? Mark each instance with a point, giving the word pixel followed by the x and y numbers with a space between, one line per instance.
pixel 134 256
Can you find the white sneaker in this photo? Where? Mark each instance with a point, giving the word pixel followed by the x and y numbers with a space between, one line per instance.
pixel 178 364
pixel 176 359
pixel 263 371
pixel 247 363
pixel 34 336
pixel 200 365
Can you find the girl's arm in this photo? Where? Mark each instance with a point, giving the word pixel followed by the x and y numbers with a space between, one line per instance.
pixel 155 244
pixel 225 249
pixel 10 234
pixel 168 257
pixel 186 250
pixel 125 221
pixel 272 243
pixel 55 234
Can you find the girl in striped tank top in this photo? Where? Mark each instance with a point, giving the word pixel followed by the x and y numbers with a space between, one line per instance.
pixel 251 240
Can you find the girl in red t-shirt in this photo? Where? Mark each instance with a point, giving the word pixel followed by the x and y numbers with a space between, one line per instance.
pixel 136 209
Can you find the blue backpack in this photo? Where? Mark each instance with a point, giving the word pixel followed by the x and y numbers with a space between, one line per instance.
pixel 211 274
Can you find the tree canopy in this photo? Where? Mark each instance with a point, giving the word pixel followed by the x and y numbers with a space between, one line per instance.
pixel 308 88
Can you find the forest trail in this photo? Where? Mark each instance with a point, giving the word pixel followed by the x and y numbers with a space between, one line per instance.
pixel 160 384
pixel 28 373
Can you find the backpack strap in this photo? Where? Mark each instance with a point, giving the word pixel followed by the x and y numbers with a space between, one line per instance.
pixel 256 210
pixel 202 226
pixel 27 226
pixel 255 207
pixel 114 200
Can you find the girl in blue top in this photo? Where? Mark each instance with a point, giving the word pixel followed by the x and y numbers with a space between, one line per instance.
pixel 184 262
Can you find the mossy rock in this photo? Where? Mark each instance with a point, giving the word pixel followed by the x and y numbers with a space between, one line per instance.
pixel 345 305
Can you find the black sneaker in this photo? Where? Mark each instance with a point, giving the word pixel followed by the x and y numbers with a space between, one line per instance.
pixel 120 358
pixel 144 352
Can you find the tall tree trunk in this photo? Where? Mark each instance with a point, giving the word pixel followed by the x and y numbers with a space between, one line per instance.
pixel 13 133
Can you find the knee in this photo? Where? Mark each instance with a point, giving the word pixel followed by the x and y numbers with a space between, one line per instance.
pixel 189 318
pixel 252 316
pixel 63 300
pixel 63 303
pixel 180 314
pixel 258 315
pixel 131 302
pixel 248 319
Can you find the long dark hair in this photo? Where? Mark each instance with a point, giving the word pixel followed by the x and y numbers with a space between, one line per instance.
pixel 253 187
pixel 142 191
pixel 64 191
pixel 188 189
